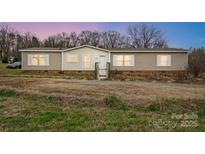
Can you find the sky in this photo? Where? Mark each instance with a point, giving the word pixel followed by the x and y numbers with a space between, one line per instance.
pixel 178 34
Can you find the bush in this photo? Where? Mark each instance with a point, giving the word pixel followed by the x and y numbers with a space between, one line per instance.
pixel 115 101
pixel 4 60
pixel 153 107
pixel 112 100
pixel 7 93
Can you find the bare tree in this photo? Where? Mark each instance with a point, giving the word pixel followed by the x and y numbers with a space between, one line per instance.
pixel 74 41
pixel 7 38
pixel 50 42
pixel 85 37
pixel 30 40
pixel 197 61
pixel 144 36
pixel 95 39
pixel 11 41
pixel 112 39
pixel 62 40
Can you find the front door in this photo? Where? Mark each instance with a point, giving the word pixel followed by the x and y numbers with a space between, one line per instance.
pixel 102 64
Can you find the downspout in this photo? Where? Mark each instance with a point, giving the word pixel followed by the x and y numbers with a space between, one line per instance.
pixel 109 66
pixel 62 62
pixel 22 59
pixel 109 56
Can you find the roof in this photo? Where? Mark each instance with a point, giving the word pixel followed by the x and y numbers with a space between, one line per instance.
pixel 147 50
pixel 116 50
pixel 89 46
pixel 61 49
pixel 43 49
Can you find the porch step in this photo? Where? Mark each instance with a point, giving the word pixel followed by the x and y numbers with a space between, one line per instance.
pixel 102 77
pixel 102 72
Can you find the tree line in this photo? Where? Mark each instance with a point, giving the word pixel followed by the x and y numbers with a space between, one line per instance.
pixel 137 36
pixel 11 41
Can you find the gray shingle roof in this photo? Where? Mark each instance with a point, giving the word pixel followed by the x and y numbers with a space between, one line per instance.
pixel 120 50
pixel 43 49
pixel 147 50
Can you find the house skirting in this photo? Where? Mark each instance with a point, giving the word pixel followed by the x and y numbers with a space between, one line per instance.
pixel 60 71
pixel 117 74
pixel 79 74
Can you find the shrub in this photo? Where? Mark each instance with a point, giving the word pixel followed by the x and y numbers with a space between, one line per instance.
pixel 115 101
pixel 112 100
pixel 7 93
pixel 153 107
pixel 5 60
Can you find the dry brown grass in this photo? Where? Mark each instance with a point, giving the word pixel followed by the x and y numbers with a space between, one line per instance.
pixel 95 91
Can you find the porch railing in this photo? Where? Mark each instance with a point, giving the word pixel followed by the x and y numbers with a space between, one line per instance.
pixel 97 71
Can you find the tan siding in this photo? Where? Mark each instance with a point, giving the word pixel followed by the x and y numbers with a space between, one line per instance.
pixel 54 61
pixel 94 57
pixel 148 62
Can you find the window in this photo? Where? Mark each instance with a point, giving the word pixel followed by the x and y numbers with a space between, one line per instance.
pixel 43 60
pixel 34 59
pixel 127 60
pixel 163 60
pixel 72 58
pixel 38 59
pixel 123 60
pixel 119 60
pixel 86 61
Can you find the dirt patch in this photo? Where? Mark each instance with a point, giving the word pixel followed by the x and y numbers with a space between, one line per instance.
pixel 95 91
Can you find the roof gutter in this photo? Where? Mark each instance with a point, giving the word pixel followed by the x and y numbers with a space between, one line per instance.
pixel 40 50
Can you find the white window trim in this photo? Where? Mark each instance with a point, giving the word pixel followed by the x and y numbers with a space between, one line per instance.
pixel 30 56
pixel 29 62
pixel 29 59
pixel 123 61
pixel 169 60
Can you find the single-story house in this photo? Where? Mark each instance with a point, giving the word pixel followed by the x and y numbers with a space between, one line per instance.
pixel 104 61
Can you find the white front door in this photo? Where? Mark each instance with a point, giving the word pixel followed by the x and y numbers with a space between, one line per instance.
pixel 102 64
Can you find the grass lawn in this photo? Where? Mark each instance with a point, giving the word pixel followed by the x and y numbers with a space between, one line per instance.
pixel 32 113
pixel 5 72
pixel 50 104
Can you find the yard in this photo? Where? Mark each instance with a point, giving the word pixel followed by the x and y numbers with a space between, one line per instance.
pixel 49 102
pixel 4 72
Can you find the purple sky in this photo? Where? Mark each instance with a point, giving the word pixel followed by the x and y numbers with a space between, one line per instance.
pixel 42 30
pixel 179 35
